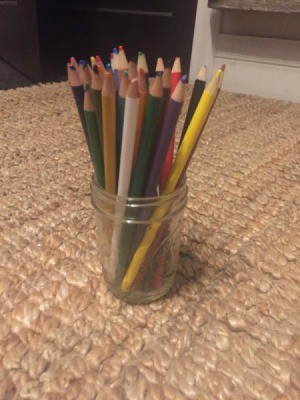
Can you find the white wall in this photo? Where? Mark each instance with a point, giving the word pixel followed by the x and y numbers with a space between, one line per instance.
pixel 260 66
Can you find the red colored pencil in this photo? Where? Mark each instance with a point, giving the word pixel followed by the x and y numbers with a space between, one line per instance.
pixel 175 78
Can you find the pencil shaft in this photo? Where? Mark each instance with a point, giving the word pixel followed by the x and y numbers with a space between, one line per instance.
pixel 162 146
pixel 195 98
pixel 109 141
pixel 97 100
pixel 120 119
pixel 146 146
pixel 140 123
pixel 187 147
pixel 129 129
pixel 96 150
pixel 78 95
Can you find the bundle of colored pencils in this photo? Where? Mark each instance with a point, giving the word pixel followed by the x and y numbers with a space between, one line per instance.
pixel 129 122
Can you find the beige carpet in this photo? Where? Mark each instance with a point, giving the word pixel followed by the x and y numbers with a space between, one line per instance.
pixel 229 330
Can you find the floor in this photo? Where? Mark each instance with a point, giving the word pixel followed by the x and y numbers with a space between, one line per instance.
pixel 10 78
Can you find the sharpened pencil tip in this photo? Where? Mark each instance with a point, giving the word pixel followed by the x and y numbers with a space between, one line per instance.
pixel 108 67
pixel 86 87
pixel 96 69
pixel 184 79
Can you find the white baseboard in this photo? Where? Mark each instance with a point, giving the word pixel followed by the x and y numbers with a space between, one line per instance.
pixel 260 66
pixel 266 80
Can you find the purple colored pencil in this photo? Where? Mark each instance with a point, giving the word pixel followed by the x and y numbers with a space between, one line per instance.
pixel 165 137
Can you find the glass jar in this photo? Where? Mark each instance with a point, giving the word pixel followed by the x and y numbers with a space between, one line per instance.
pixel 139 241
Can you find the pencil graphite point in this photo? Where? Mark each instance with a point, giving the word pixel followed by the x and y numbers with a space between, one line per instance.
pixel 87 87
pixel 184 79
pixel 202 74
pixel 96 69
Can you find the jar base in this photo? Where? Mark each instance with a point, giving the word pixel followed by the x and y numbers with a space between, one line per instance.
pixel 135 296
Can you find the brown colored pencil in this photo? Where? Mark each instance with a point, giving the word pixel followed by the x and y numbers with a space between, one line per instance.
pixel 109 132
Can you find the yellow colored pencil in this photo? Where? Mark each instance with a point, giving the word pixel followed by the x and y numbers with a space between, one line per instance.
pixel 182 158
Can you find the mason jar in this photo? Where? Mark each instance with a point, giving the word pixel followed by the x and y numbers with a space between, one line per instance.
pixel 139 241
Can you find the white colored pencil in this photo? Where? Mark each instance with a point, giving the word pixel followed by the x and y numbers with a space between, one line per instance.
pixel 127 150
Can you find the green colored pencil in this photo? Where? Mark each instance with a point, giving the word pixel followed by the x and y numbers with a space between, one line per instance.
pixel 148 137
pixel 94 138
pixel 96 87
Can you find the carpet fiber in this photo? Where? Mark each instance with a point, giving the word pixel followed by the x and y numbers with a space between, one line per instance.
pixel 228 330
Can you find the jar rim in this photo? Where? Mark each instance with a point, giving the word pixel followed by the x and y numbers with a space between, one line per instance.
pixel 139 200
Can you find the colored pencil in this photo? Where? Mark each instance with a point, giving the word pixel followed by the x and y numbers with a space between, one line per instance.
pixel 200 116
pixel 132 69
pixel 84 73
pixel 122 61
pixel 93 61
pixel 159 65
pixel 166 83
pixel 109 132
pixel 143 91
pixel 175 78
pixel 100 64
pixel 120 113
pixel 96 87
pixel 164 139
pixel 96 150
pixel 176 73
pixel 78 94
pixel 142 64
pixel 129 129
pixel 148 138
pixel 198 90
pixel 115 68
pixel 221 70
pixel 75 64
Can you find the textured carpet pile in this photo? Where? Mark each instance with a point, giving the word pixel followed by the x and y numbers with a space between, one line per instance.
pixel 229 329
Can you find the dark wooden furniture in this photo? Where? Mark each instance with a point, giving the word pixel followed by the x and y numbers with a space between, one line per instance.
pixel 38 36
pixel 19 44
